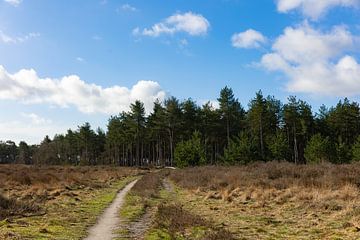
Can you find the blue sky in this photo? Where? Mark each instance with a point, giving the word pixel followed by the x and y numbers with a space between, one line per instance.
pixel 67 62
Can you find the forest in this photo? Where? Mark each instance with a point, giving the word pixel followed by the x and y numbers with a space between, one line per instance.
pixel 182 133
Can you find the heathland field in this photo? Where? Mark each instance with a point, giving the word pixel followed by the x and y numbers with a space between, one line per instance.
pixel 258 201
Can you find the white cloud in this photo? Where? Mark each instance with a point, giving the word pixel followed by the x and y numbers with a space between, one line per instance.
pixel 213 103
pixel 80 59
pixel 5 38
pixel 313 8
pixel 15 3
pixel 29 131
pixel 316 62
pixel 36 119
pixel 248 39
pixel 190 23
pixel 25 86
pixel 128 7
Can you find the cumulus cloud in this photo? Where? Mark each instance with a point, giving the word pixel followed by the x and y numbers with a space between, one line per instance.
pixel 128 7
pixel 5 38
pixel 27 87
pixel 248 39
pixel 32 133
pixel 36 119
pixel 316 62
pixel 313 8
pixel 190 23
pixel 15 3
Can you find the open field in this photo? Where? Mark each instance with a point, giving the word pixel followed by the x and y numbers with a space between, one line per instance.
pixel 56 202
pixel 259 201
pixel 276 200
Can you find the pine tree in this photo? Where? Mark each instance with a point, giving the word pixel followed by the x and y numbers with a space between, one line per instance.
pixel 232 113
pixel 190 152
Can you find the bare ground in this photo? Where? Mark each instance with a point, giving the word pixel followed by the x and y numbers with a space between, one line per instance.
pixel 109 220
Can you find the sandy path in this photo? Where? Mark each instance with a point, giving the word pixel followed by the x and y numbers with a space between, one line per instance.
pixel 109 220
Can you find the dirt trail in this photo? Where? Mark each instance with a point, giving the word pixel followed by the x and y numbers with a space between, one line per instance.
pixel 137 229
pixel 109 220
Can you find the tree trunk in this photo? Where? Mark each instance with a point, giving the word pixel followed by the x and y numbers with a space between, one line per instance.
pixel 262 140
pixel 228 130
pixel 296 153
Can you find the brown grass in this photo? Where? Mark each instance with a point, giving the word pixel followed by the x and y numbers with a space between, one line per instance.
pixel 322 198
pixel 269 175
pixel 28 187
pixel 178 221
pixel 149 185
pixel 274 181
pixel 11 207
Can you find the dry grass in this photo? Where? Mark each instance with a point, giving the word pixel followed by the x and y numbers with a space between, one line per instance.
pixel 149 185
pixel 11 207
pixel 55 202
pixel 278 200
pixel 140 205
pixel 179 223
pixel 269 175
pixel 39 184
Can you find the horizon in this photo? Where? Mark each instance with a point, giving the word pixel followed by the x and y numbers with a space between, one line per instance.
pixel 92 59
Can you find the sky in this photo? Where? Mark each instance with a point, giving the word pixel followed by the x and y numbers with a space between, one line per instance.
pixel 63 63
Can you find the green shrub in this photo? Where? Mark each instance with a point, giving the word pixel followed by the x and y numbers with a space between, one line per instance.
pixel 240 150
pixel 319 149
pixel 356 150
pixel 190 153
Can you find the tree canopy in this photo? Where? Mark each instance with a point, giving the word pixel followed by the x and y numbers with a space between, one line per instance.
pixel 184 133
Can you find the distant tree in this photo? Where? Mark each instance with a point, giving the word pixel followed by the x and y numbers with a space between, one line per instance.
pixel 24 153
pixel 173 123
pixel 232 113
pixel 343 153
pixel 319 149
pixel 211 130
pixel 239 151
pixel 263 119
pixel 299 124
pixel 8 152
pixel 190 152
pixel 190 117
pixel 87 144
pixel 72 146
pixel 138 116
pixel 157 134
pixel 278 146
pixel 356 150
pixel 46 153
pixel 344 121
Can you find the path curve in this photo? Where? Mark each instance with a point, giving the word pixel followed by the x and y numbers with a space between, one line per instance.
pixel 109 220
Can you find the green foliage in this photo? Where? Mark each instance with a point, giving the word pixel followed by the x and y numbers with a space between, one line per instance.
pixel 190 153
pixel 268 131
pixel 299 123
pixel 278 146
pixel 343 153
pixel 263 119
pixel 343 122
pixel 319 149
pixel 239 151
pixel 356 150
pixel 231 112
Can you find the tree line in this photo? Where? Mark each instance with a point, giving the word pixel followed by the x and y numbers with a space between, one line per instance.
pixel 183 133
